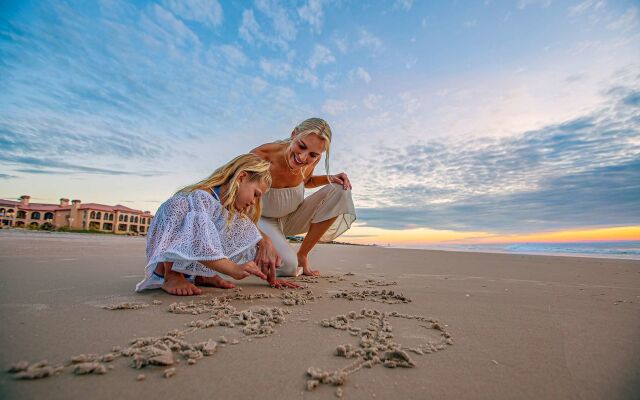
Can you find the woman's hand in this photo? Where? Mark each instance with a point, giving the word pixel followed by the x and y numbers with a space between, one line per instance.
pixel 268 259
pixel 341 179
pixel 241 271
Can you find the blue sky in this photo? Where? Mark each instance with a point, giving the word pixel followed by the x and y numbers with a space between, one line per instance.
pixel 499 116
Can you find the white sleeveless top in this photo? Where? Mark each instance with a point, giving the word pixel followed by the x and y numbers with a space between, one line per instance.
pixel 280 202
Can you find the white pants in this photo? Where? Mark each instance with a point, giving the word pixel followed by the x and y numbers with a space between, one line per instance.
pixel 329 202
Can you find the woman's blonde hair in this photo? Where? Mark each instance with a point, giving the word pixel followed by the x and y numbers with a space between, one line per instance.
pixel 316 126
pixel 256 168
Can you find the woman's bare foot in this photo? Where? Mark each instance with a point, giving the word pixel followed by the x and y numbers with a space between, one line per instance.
pixel 214 281
pixel 176 284
pixel 306 270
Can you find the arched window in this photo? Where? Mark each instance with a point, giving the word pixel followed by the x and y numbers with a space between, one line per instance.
pixel 142 220
pixel 21 214
pixel 92 215
pixel 126 218
pixel 48 215
pixel 136 221
pixel 35 215
pixel 121 218
pixel 98 215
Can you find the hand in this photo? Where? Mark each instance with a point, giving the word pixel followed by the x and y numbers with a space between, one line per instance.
pixel 268 259
pixel 341 179
pixel 241 271
pixel 281 284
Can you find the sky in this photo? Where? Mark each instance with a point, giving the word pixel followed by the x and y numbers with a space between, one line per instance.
pixel 456 121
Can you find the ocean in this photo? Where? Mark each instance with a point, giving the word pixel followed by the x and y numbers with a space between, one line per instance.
pixel 607 249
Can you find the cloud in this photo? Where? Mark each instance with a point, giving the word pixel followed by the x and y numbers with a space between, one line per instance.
pixel 276 28
pixel 341 43
pixel 472 23
pixel 309 77
pixel 403 4
pixel 335 107
pixel 522 4
pixel 321 55
pixel 249 29
pixel 584 172
pixel 282 22
pixel 43 165
pixel 234 55
pixel 367 40
pixel 585 6
pixel 275 68
pixel 7 176
pixel 312 13
pixel 626 21
pixel 360 73
pixel 207 12
pixel 167 25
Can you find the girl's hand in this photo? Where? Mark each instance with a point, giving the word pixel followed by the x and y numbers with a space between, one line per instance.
pixel 241 271
pixel 268 259
pixel 341 179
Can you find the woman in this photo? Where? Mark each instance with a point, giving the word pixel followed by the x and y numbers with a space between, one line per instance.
pixel 325 215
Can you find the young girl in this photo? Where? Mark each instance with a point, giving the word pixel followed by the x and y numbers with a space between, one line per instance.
pixel 207 229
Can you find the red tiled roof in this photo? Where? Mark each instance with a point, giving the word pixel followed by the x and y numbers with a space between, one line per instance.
pixel 4 202
pixel 117 207
pixel 85 206
pixel 42 207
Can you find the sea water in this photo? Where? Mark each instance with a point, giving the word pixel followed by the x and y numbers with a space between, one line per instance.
pixel 605 249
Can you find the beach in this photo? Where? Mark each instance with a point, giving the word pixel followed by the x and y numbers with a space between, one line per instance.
pixel 520 326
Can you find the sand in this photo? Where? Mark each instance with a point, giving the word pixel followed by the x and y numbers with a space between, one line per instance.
pixel 381 323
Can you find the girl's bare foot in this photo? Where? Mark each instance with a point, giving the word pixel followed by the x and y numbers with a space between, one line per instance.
pixel 306 270
pixel 176 284
pixel 214 281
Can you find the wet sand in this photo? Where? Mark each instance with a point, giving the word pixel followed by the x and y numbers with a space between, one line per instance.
pixel 383 323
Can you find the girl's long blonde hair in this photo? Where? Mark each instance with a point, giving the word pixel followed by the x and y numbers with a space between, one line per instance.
pixel 256 168
pixel 316 126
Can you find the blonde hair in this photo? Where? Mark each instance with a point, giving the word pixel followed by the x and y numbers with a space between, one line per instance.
pixel 256 168
pixel 316 126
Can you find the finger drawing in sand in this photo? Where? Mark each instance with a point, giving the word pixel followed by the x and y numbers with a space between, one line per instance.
pixel 206 232
pixel 324 215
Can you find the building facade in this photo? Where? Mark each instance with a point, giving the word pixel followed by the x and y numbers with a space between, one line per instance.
pixel 75 216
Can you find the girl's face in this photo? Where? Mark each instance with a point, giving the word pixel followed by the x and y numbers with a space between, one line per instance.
pixel 305 150
pixel 249 192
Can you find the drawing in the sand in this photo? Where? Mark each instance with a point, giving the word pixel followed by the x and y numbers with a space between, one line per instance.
pixel 376 344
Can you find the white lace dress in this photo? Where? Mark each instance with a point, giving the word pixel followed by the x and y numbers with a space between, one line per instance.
pixel 192 227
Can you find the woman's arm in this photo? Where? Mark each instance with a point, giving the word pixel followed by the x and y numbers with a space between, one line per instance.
pixel 321 180
pixel 267 258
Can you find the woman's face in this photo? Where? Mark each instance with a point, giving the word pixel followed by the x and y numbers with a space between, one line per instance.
pixel 249 192
pixel 305 150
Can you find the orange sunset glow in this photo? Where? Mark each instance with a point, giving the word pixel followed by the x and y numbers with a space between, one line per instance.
pixel 418 236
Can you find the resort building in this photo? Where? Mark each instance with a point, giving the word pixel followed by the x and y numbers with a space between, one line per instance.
pixel 90 216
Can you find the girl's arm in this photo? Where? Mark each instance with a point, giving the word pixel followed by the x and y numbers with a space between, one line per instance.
pixel 236 271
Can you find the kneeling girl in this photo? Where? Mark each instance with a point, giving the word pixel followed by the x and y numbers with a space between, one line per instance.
pixel 208 229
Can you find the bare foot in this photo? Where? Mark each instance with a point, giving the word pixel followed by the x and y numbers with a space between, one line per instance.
pixel 176 284
pixel 214 281
pixel 306 270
